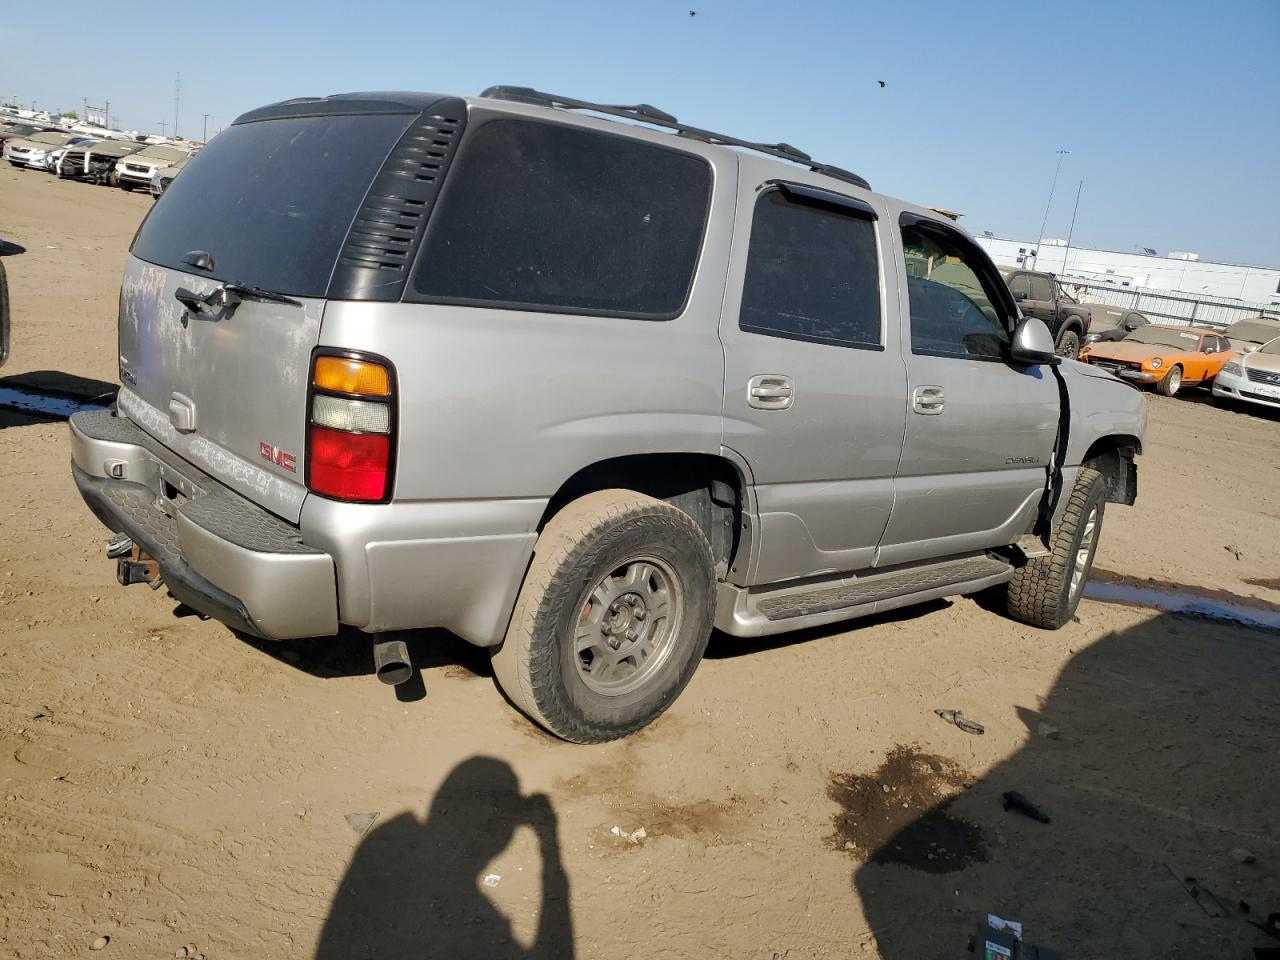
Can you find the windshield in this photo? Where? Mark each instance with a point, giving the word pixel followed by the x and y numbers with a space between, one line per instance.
pixel 1271 349
pixel 1165 337
pixel 271 201
pixel 1253 331
pixel 163 153
pixel 58 138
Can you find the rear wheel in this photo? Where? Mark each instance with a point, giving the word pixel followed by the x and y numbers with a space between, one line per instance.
pixel 1046 590
pixel 1171 382
pixel 1069 345
pixel 613 617
pixel 128 187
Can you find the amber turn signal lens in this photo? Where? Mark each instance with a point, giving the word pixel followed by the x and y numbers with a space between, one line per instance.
pixel 352 376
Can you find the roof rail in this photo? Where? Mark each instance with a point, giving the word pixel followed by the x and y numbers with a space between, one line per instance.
pixel 646 113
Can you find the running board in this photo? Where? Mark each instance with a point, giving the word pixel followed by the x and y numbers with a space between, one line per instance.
pixel 755 612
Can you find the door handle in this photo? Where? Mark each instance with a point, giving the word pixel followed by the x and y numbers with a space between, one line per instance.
pixel 770 391
pixel 928 400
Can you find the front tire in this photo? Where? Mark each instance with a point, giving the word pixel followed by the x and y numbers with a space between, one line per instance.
pixel 1046 590
pixel 613 617
pixel 1169 385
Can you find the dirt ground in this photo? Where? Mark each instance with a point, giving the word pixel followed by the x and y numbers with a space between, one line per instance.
pixel 163 782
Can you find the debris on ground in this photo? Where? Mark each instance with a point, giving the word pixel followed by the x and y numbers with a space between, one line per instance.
pixel 1048 730
pixel 491 879
pixel 635 836
pixel 100 943
pixel 1205 898
pixel 998 939
pixel 361 822
pixel 1013 800
pixel 960 720
pixel 1241 855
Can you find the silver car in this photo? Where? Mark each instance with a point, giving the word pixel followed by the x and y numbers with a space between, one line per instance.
pixel 579 383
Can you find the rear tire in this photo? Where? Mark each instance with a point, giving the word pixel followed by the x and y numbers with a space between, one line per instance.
pixel 613 617
pixel 127 187
pixel 1046 591
pixel 1170 383
pixel 1069 345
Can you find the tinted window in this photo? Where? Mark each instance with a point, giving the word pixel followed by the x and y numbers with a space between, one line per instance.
pixel 544 216
pixel 272 201
pixel 1020 284
pixel 812 274
pixel 952 313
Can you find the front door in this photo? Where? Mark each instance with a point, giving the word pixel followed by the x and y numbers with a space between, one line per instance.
pixel 814 381
pixel 980 430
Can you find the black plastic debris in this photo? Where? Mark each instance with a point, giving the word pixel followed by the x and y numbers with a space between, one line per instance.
pixel 1013 800
pixel 961 721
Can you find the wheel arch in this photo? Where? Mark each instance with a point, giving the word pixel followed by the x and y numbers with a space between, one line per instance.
pixel 1113 457
pixel 712 489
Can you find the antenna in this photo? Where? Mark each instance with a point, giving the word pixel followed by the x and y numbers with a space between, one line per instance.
pixel 177 90
pixel 1072 228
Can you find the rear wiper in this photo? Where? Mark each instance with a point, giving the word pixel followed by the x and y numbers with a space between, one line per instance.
pixel 227 297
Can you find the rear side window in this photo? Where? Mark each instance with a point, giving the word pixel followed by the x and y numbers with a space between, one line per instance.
pixel 812 274
pixel 271 202
pixel 544 216
pixel 1020 285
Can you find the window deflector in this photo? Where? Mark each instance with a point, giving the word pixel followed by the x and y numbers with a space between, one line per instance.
pixel 800 191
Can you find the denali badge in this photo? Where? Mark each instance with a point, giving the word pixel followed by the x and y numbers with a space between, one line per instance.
pixel 1012 460
pixel 278 457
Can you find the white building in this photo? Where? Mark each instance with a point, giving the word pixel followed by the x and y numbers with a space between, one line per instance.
pixel 1182 272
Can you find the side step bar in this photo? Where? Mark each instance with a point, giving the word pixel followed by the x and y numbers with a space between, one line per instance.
pixel 754 612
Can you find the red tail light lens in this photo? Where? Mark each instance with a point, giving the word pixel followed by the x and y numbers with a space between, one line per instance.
pixel 349 466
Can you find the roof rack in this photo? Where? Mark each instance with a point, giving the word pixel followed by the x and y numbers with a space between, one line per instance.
pixel 645 113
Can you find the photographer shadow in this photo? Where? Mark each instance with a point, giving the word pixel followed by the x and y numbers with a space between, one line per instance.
pixel 413 887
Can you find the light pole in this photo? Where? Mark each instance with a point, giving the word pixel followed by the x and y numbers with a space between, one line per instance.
pixel 1052 186
pixel 205 137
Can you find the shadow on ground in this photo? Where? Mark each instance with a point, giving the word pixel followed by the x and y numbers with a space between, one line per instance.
pixel 414 887
pixel 1157 764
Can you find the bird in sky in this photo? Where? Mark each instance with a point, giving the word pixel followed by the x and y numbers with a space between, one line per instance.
pixel 881 82
pixel 693 13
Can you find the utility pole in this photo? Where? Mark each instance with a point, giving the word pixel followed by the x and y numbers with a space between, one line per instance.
pixel 205 136
pixel 177 92
pixel 1052 187
pixel 163 124
pixel 1072 229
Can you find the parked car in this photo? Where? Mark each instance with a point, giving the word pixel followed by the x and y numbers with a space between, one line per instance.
pixel 1169 358
pixel 1041 295
pixel 138 169
pixel 1248 335
pixel 161 179
pixel 20 131
pixel 1253 377
pixel 31 151
pixel 1108 324
pixel 616 383
pixel 95 160
pixel 52 158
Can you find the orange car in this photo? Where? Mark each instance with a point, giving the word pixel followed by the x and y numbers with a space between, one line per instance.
pixel 1169 357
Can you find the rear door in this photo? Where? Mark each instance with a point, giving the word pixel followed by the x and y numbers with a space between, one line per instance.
pixel 980 431
pixel 266 204
pixel 814 384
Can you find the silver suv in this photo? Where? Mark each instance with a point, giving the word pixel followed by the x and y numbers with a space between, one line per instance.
pixel 579 390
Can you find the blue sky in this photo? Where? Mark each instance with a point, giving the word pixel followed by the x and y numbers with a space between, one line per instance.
pixel 1171 110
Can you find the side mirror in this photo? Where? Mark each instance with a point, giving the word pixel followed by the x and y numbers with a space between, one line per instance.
pixel 1131 325
pixel 1032 343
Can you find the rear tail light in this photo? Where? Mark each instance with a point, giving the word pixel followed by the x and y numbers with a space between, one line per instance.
pixel 351 428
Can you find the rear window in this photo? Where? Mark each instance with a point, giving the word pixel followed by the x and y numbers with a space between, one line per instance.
pixel 271 202
pixel 544 216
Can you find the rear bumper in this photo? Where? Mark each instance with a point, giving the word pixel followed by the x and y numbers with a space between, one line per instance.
pixel 218 552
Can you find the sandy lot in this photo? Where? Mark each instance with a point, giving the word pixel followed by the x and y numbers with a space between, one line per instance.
pixel 164 783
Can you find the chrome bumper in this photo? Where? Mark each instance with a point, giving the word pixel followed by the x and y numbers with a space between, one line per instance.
pixel 218 553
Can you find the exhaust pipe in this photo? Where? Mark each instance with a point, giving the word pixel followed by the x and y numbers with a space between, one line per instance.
pixel 391 662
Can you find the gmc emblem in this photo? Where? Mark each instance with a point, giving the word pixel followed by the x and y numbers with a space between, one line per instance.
pixel 278 457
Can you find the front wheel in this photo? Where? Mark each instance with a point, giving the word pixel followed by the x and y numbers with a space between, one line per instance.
pixel 1171 382
pixel 613 617
pixel 1046 590
pixel 1069 345
pixel 127 187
